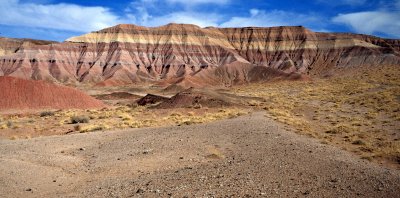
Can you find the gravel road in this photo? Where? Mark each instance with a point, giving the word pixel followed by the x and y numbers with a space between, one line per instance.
pixel 248 156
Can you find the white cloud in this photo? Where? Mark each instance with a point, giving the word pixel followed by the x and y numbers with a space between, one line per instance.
pixel 200 19
pixel 142 14
pixel 372 22
pixel 56 16
pixel 71 17
pixel 384 20
pixel 262 18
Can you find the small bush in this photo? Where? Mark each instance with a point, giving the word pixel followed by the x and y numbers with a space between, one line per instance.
pixel 253 103
pixel 132 105
pixel 3 126
pixel 358 142
pixel 341 129
pixel 186 122
pixel 13 137
pixel 77 127
pixel 79 119
pixel 365 157
pixel 46 113
pixel 10 124
pixel 125 117
pixel 90 128
pixel 175 114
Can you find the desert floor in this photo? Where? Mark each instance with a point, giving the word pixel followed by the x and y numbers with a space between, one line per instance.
pixel 250 155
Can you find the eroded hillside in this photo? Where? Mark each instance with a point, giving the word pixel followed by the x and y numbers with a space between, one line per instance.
pixel 187 55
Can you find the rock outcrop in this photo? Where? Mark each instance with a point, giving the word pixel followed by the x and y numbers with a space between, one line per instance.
pixel 19 94
pixel 187 55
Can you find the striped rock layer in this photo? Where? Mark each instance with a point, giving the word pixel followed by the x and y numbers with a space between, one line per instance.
pixel 187 55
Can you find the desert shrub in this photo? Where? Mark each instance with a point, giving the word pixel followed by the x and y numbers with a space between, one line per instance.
pixel 91 128
pixel 132 105
pixel 175 114
pixel 125 116
pixel 358 142
pixel 186 122
pixel 340 130
pixel 46 113
pixel 79 119
pixel 13 137
pixel 3 126
pixel 77 127
pixel 253 103
pixel 10 124
pixel 366 157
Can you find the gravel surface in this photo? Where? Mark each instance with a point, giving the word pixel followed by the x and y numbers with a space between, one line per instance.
pixel 249 156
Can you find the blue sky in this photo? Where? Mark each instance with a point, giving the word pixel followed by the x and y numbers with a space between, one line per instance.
pixel 61 19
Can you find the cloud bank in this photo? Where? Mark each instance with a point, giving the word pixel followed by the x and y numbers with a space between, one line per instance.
pixel 262 18
pixel 381 21
pixel 43 15
pixel 56 16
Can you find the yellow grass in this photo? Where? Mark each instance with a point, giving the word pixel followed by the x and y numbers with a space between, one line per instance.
pixel 120 117
pixel 339 110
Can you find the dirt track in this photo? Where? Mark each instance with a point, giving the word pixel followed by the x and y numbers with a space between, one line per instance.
pixel 250 155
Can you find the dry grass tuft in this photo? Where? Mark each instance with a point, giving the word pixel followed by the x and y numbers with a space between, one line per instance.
pixel 79 119
pixel 91 128
pixel 46 113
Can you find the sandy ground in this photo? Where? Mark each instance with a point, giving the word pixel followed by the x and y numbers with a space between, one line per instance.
pixel 249 156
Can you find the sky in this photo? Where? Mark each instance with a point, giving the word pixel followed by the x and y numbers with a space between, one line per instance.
pixel 60 19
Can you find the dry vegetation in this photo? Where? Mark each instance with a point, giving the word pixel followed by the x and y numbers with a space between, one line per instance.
pixel 359 113
pixel 120 117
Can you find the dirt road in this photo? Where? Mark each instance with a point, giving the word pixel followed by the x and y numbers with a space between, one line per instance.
pixel 246 156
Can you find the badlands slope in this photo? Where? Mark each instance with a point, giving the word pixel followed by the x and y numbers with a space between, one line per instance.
pixel 188 55
pixel 18 94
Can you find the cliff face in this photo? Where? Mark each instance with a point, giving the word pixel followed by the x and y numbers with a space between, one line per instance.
pixel 297 49
pixel 192 56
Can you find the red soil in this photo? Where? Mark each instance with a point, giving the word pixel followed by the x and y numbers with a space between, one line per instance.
pixel 17 93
